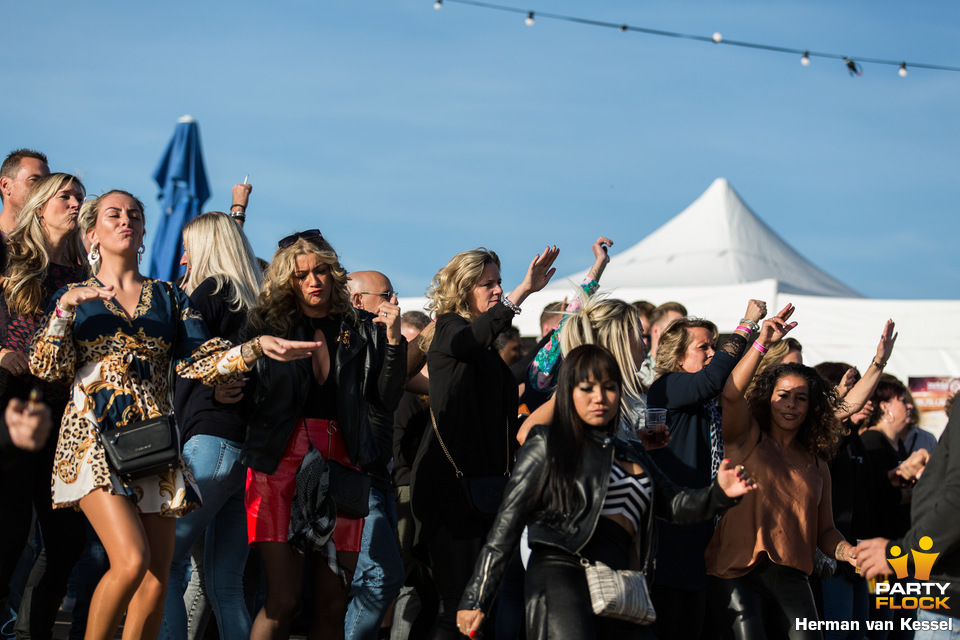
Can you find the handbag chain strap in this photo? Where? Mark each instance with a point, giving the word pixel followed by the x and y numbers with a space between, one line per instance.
pixel 446 451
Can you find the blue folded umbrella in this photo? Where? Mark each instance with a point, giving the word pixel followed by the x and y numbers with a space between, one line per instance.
pixel 183 190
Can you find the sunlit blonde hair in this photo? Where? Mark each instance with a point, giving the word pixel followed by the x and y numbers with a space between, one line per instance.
pixel 674 342
pixel 451 287
pixel 90 211
pixel 611 324
pixel 775 356
pixel 29 259
pixel 219 249
pixel 277 310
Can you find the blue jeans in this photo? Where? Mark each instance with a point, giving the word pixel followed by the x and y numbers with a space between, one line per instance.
pixel 379 574
pixel 215 463
pixel 925 615
pixel 845 600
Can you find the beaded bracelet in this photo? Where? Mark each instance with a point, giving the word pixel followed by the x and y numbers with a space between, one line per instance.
pixel 508 303
pixel 750 323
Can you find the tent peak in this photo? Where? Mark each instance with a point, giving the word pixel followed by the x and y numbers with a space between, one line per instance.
pixel 185 119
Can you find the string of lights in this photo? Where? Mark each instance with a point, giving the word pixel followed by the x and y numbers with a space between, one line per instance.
pixel 852 63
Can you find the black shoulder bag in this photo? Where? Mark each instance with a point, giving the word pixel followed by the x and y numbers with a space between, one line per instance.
pixel 151 446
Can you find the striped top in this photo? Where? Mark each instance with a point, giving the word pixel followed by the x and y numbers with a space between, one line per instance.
pixel 628 495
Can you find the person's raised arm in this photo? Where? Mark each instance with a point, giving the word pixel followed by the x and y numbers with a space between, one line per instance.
pixel 736 415
pixel 241 197
pixel 538 275
pixel 864 388
pixel 543 366
pixel 464 340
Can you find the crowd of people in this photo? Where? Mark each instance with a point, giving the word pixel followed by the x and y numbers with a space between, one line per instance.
pixel 345 469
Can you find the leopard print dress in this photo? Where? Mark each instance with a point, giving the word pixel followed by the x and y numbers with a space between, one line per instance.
pixel 118 366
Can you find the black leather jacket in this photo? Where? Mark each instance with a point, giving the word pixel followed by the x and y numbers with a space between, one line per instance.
pixel 572 533
pixel 369 372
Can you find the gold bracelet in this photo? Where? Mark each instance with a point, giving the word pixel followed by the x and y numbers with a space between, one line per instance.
pixel 256 347
pixel 877 364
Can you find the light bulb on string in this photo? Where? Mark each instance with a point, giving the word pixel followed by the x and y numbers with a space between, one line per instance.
pixel 529 20
pixel 623 28
pixel 853 68
pixel 438 5
pixel 717 36
pixel 903 70
pixel 805 59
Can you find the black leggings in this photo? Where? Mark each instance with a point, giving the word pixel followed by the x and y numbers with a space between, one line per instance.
pixel 557 599
pixel 451 561
pixel 764 604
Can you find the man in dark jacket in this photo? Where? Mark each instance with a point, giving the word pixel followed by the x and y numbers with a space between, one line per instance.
pixel 933 537
pixel 379 574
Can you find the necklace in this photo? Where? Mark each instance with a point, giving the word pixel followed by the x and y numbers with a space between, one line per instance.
pixel 782 455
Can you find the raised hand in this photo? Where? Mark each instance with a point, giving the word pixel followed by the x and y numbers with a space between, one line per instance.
pixel 887 340
pixel 388 314
pixel 540 270
pixel 776 327
pixel 734 480
pixel 846 383
pixel 756 310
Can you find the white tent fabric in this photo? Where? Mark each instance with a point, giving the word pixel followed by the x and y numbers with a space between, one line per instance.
pixel 717 240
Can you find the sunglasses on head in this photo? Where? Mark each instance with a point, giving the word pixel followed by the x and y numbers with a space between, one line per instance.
pixel 309 234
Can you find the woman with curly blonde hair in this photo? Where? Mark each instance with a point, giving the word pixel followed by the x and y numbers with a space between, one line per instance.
pixel 324 403
pixel 473 400
pixel 761 554
pixel 45 254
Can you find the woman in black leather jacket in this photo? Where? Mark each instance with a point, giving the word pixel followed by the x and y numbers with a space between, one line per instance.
pixel 322 402
pixel 584 494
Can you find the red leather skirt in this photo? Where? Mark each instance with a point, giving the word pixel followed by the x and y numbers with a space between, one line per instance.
pixel 269 496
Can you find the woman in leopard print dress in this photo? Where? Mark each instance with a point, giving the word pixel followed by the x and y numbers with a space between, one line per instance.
pixel 112 337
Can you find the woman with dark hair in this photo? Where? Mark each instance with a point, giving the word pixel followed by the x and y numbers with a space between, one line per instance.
pixel 323 403
pixel 45 255
pixel 584 493
pixel 691 372
pixel 761 554
pixel 473 401
pixel 883 444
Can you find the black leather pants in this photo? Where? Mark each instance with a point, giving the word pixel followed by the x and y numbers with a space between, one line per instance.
pixel 764 604
pixel 557 599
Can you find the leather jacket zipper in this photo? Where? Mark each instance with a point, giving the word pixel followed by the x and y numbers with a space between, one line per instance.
pixel 607 442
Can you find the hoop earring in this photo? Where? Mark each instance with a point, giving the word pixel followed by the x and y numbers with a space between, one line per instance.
pixel 94 256
pixel 140 254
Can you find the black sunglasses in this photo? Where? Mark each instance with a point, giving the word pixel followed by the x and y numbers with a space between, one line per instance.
pixel 309 234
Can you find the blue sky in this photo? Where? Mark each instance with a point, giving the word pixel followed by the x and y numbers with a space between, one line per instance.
pixel 408 134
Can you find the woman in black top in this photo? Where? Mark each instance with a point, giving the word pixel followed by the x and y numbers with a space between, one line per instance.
pixel 45 255
pixel 321 402
pixel 584 493
pixel 473 398
pixel 223 280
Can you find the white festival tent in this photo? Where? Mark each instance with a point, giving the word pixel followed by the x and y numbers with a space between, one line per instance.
pixel 717 254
